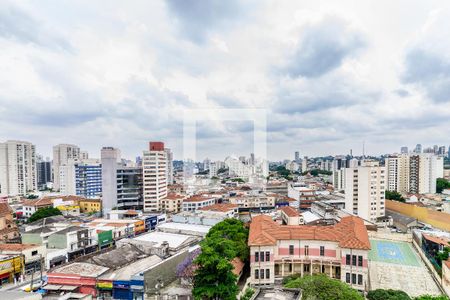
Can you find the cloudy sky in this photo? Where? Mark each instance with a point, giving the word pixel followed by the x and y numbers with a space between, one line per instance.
pixel 329 74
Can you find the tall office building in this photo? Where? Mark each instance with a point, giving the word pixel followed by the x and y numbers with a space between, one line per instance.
pixel 62 153
pixel 17 168
pixel 364 190
pixel 44 172
pixel 441 150
pixel 404 150
pixel 169 163
pixel 154 165
pixel 297 156
pixel 81 177
pixel 418 149
pixel 397 167
pixel 88 178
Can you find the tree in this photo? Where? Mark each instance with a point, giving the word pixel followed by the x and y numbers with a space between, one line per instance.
pixel 381 294
pixel 248 294
pixel 31 196
pixel 442 184
pixel 322 287
pixel 186 269
pixel 394 195
pixel 44 213
pixel 214 276
pixel 429 297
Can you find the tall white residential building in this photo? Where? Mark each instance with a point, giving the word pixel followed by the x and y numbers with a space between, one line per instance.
pixel 364 190
pixel 431 167
pixel 67 178
pixel 397 168
pixel 62 153
pixel 110 158
pixel 169 163
pixel 414 173
pixel 154 166
pixel 17 168
pixel 305 164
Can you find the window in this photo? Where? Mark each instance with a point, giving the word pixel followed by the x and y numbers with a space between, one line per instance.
pixel 256 256
pixel 33 253
pixel 322 251
pixel 256 274
pixel 354 260
pixel 323 268
pixel 267 273
pixel 291 249
pixel 360 261
pixel 261 256
pixel 348 259
pixel 261 273
pixel 360 279
pixel 267 256
pixel 306 250
pixel 353 278
pixel 305 268
pixel 347 277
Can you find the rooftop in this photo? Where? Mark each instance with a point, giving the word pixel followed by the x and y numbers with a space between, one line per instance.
pixel 81 269
pixel 5 209
pixel 175 240
pixel 38 202
pixel 198 198
pixel 349 233
pixel 136 267
pixel 290 211
pixel 17 247
pixel 185 226
pixel 220 207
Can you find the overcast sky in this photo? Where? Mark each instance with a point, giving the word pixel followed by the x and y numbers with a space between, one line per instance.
pixel 330 74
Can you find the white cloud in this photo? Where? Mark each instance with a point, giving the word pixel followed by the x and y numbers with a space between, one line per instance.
pixel 331 74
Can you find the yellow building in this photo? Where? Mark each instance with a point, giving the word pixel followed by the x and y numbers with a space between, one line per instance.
pixel 11 267
pixel 90 205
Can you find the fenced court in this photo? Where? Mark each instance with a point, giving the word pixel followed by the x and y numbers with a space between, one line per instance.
pixel 390 261
pixel 393 252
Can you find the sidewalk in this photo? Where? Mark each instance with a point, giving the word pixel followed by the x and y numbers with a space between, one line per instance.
pixel 26 281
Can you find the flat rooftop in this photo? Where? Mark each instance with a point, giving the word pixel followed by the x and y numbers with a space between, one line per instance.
pixel 81 269
pixel 185 226
pixel 137 267
pixel 175 240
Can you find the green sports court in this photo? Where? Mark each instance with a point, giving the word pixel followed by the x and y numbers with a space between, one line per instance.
pixel 400 253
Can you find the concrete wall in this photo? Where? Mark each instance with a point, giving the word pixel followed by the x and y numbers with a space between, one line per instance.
pixel 31 238
pixel 57 241
pixel 435 218
pixel 164 271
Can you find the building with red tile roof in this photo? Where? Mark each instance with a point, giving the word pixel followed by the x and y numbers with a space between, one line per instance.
pixel 340 251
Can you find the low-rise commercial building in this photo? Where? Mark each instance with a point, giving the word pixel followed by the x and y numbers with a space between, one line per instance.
pixel 11 268
pixel 196 202
pixel 33 254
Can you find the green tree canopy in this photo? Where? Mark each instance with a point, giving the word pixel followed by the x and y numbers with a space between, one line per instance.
pixel 381 294
pixel 394 195
pixel 44 213
pixel 322 287
pixel 214 276
pixel 442 184
pixel 429 297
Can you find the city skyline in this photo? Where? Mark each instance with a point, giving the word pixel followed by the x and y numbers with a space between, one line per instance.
pixel 330 76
